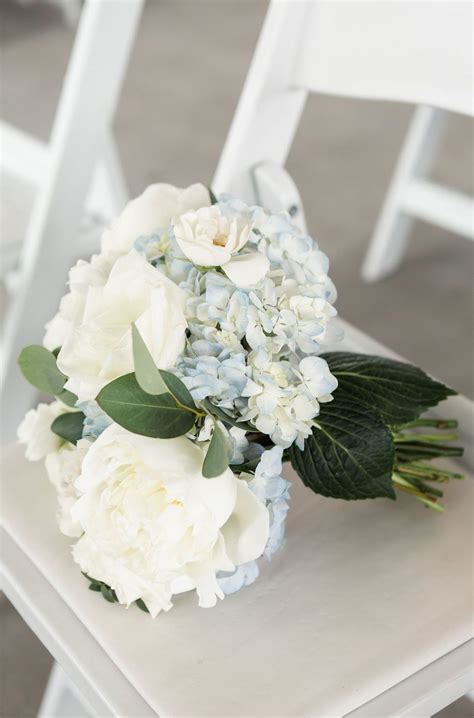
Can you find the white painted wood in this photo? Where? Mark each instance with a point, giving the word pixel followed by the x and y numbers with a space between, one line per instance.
pixel 399 51
pixel 440 205
pixel 378 607
pixel 86 107
pixel 270 106
pixel 98 680
pixel 417 52
pixel 61 699
pixel 428 691
pixel 276 190
pixel 28 158
pixel 22 154
pixel 415 161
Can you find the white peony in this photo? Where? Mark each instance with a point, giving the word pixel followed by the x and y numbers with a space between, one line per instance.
pixel 98 346
pixel 154 526
pixel 151 212
pixel 63 468
pixel 35 430
pixel 209 238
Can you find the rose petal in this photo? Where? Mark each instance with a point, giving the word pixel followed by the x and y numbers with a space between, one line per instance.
pixel 247 269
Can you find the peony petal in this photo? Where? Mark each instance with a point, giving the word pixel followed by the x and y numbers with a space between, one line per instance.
pixel 153 210
pixel 246 270
pixel 246 532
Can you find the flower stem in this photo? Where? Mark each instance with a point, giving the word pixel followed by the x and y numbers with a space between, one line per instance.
pixel 436 423
pixel 424 438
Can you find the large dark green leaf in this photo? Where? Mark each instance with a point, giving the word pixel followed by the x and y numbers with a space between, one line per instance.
pixel 350 455
pixel 38 366
pixel 399 392
pixel 69 426
pixel 164 416
pixel 217 456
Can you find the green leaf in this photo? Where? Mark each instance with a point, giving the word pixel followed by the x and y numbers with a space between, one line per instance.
pixel 69 426
pixel 164 417
pixel 212 196
pixel 350 456
pixel 217 456
pixel 399 392
pixel 225 418
pixel 247 466
pixel 67 397
pixel 38 366
pixel 142 605
pixel 108 593
pixel 148 375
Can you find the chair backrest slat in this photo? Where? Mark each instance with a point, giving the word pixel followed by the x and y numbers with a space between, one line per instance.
pixel 418 52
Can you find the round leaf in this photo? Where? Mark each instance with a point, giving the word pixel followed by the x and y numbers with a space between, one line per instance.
pixel 164 416
pixel 38 366
pixel 217 456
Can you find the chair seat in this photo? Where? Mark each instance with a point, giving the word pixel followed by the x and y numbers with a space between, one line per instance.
pixel 362 596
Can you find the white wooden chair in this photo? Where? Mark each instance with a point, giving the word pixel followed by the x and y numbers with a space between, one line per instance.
pixel 419 53
pixel 81 143
pixel 367 610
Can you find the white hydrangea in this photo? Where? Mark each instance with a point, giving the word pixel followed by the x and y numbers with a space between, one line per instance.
pixel 288 399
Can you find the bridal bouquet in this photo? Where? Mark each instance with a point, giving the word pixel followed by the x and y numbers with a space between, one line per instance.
pixel 187 362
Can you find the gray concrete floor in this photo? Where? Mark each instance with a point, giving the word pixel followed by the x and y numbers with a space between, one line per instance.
pixel 180 93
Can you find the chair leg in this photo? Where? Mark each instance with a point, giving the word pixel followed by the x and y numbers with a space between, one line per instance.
pixel 61 699
pixel 390 237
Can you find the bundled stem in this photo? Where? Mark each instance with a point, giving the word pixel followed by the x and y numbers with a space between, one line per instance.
pixel 410 472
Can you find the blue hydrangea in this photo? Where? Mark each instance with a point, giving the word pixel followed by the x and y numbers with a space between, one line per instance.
pixel 271 488
pixel 223 377
pixel 96 420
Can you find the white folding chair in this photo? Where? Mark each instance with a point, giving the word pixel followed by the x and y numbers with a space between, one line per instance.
pixel 81 141
pixel 343 613
pixel 411 52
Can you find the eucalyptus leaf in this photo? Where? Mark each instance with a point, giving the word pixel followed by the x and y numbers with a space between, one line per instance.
pixel 67 397
pixel 216 411
pixel 69 426
pixel 399 392
pixel 349 455
pixel 108 593
pixel 247 466
pixel 142 605
pixel 148 375
pixel 217 456
pixel 164 416
pixel 38 366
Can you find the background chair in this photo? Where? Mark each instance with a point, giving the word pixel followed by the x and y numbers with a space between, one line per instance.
pixel 81 141
pixel 411 52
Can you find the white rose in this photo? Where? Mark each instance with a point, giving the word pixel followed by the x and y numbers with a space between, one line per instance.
pixel 211 239
pixel 81 277
pixel 98 347
pixel 35 430
pixel 154 526
pixel 63 468
pixel 150 212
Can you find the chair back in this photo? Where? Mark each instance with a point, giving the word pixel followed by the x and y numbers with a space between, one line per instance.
pixel 417 52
